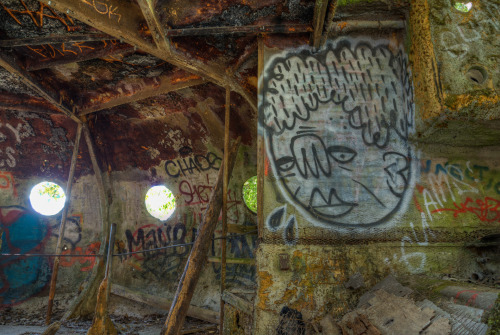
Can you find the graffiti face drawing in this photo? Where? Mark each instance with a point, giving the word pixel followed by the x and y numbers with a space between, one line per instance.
pixel 337 125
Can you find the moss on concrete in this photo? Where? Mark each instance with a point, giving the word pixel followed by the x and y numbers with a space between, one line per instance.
pixel 494 319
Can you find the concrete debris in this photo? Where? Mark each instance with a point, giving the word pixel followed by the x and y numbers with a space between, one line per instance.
pixel 355 281
pixel 389 285
pixel 329 326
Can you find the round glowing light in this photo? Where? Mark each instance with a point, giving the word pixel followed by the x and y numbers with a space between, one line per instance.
pixel 160 202
pixel 250 193
pixel 463 7
pixel 47 198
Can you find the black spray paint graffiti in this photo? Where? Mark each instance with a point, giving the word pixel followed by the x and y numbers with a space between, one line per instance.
pixel 277 220
pixel 337 124
pixel 238 247
pixel 165 263
pixel 197 163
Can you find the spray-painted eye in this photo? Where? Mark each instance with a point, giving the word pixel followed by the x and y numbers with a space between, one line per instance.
pixel 285 163
pixel 341 154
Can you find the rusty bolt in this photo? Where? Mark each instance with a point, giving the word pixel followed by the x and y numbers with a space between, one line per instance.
pixel 284 262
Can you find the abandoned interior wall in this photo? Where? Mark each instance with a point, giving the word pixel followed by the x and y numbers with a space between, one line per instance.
pixel 190 174
pixel 353 183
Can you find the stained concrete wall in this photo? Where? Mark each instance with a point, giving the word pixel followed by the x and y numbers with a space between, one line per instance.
pixel 190 175
pixel 347 187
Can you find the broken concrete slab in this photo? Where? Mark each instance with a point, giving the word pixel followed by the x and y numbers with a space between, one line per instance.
pixel 389 285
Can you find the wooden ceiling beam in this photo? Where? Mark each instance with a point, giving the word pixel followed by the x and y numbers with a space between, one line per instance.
pixel 19 42
pixel 332 8
pixel 245 30
pixel 318 22
pixel 161 85
pixel 154 24
pixel 126 22
pixel 10 64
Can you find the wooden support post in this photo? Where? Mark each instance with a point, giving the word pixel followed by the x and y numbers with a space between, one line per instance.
pixel 102 324
pixel 224 210
pixel 332 8
pixel 318 22
pixel 69 185
pixel 198 256
pixel 85 303
pixel 260 147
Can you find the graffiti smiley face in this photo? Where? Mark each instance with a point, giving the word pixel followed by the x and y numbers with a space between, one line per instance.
pixel 337 125
pixel 326 168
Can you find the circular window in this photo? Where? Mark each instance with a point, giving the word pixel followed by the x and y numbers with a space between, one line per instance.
pixel 463 7
pixel 160 202
pixel 250 193
pixel 47 198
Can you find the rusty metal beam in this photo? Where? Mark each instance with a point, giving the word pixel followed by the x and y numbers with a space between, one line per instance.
pixel 10 64
pixel 244 30
pixel 318 22
pixel 154 24
pixel 69 186
pixel 127 23
pixel 161 85
pixel 54 39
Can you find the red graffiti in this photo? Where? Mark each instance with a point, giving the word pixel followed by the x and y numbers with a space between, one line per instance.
pixel 487 210
pixel 7 182
pixel 38 16
pixel 92 249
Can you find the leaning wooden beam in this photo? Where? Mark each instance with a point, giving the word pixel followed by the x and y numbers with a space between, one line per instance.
pixel 84 303
pixel 225 185
pixel 240 303
pixel 18 42
pixel 332 8
pixel 10 65
pixel 69 186
pixel 144 88
pixel 126 22
pixel 102 324
pixel 154 24
pixel 198 256
pixel 162 303
pixel 318 22
pixel 246 30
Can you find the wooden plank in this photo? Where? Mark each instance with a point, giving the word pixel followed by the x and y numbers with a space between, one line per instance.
pixel 10 64
pixel 240 303
pixel 147 89
pixel 332 8
pixel 47 56
pixel 198 256
pixel 318 22
pixel 54 39
pixel 198 329
pixel 260 147
pixel 154 24
pixel 69 186
pixel 246 30
pixel 240 229
pixel 225 186
pixel 162 303
pixel 244 261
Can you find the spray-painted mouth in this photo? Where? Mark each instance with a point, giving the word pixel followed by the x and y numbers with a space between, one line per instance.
pixel 330 207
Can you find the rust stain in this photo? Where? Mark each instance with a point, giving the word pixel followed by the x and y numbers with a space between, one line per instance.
pixel 457 102
pixel 424 68
pixel 266 281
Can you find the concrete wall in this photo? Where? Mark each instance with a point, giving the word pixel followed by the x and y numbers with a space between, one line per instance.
pixel 348 190
pixel 190 175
